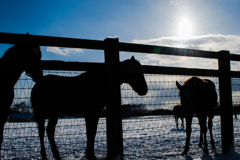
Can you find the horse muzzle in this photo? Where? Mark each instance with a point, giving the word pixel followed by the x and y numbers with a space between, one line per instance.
pixel 142 91
pixel 36 75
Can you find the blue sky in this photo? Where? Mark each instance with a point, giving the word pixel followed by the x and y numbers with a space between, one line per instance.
pixel 206 25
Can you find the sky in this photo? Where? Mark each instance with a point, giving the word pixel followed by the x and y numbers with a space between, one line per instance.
pixel 211 25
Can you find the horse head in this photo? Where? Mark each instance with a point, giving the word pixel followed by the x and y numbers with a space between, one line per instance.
pixel 26 52
pixel 33 53
pixel 188 91
pixel 135 80
pixel 184 93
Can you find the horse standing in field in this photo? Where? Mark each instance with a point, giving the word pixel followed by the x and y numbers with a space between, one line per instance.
pixel 84 94
pixel 234 110
pixel 11 76
pixel 178 113
pixel 198 96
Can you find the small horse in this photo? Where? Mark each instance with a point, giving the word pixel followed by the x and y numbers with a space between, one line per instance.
pixel 178 113
pixel 11 76
pixel 198 96
pixel 84 94
pixel 234 110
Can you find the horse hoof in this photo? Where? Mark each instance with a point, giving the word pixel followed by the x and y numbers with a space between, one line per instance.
pixel 44 158
pixel 215 152
pixel 91 157
pixel 57 157
pixel 205 151
pixel 184 153
pixel 206 155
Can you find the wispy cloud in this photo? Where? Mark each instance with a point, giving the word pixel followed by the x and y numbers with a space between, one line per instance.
pixel 205 42
pixel 113 36
pixel 64 51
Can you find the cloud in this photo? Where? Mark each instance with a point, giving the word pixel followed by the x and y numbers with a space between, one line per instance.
pixel 176 61
pixel 204 42
pixel 64 51
pixel 113 36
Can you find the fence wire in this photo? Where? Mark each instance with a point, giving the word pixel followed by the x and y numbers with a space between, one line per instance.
pixel 236 109
pixel 155 133
pixel 149 129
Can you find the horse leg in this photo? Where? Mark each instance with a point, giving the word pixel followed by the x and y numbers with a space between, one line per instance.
pixel 53 119
pixel 176 120
pixel 41 130
pixel 91 126
pixel 3 117
pixel 7 102
pixel 203 127
pixel 201 134
pixel 182 122
pixel 210 131
pixel 188 133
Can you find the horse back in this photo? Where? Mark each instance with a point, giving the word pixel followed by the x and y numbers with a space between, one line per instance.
pixel 209 91
pixel 68 95
pixel 205 97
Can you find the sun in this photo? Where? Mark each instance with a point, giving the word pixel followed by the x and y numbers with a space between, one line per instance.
pixel 185 29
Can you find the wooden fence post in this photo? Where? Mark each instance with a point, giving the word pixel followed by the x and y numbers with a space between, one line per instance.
pixel 225 101
pixel 113 100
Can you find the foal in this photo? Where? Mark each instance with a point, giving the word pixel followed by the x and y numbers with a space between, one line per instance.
pixel 198 96
pixel 178 113
pixel 83 94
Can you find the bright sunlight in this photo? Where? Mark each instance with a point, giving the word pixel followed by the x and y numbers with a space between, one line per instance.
pixel 185 29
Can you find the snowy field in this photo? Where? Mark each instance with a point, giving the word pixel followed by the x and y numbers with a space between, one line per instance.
pixel 149 137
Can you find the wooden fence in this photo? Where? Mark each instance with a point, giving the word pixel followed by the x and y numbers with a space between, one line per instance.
pixel 111 48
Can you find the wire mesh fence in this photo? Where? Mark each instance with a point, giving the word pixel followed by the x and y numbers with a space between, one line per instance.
pixel 236 110
pixel 154 133
pixel 149 129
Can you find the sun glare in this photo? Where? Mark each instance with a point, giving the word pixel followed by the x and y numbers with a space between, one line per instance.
pixel 185 29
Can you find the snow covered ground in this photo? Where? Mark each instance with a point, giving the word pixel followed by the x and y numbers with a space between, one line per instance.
pixel 148 137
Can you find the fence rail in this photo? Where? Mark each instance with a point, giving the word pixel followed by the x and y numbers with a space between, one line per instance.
pixel 112 48
pixel 140 48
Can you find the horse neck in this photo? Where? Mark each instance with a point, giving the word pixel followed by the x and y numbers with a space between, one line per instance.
pixel 124 78
pixel 10 76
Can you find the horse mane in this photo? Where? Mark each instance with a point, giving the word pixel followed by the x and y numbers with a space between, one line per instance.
pixel 130 61
pixel 96 74
pixel 192 81
pixel 18 51
pixel 11 52
pixel 197 82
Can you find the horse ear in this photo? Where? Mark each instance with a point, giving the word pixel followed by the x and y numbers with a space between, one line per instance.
pixel 132 58
pixel 178 85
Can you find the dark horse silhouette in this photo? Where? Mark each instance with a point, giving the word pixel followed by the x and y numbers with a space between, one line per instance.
pixel 234 110
pixel 198 96
pixel 178 113
pixel 11 76
pixel 83 94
